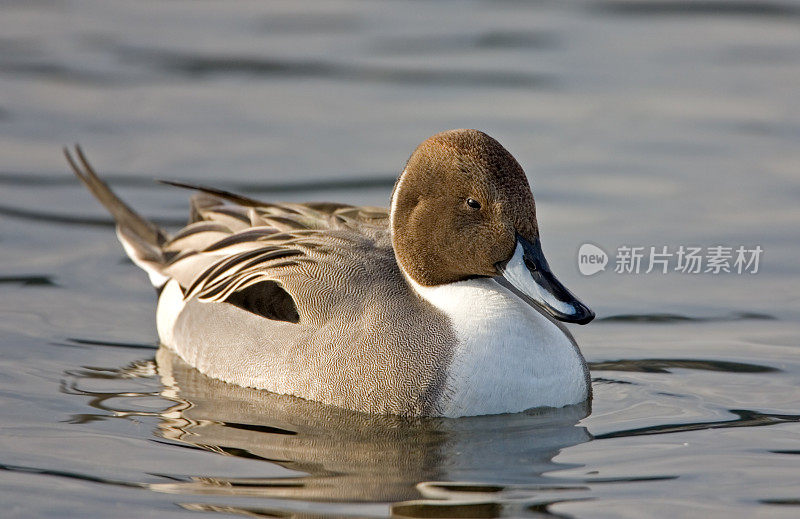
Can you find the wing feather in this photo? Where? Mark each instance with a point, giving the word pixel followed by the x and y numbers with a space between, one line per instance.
pixel 240 250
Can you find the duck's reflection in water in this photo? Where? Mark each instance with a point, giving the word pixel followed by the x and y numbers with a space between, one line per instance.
pixel 342 456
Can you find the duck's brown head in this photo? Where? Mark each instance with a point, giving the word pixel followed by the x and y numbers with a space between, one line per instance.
pixel 462 209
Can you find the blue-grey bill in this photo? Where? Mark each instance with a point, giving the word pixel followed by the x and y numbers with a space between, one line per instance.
pixel 528 273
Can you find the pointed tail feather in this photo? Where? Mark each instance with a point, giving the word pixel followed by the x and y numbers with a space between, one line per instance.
pixel 142 239
pixel 124 215
pixel 242 200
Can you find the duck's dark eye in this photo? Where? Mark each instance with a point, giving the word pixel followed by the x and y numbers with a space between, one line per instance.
pixel 474 204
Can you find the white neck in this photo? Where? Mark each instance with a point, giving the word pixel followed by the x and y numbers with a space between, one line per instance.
pixel 509 357
pixel 393 205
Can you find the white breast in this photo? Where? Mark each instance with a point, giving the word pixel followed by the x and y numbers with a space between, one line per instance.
pixel 509 356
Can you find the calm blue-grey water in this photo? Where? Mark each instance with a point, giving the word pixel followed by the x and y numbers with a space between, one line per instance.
pixel 640 124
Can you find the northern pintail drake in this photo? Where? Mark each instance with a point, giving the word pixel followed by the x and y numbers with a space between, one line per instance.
pixel 444 305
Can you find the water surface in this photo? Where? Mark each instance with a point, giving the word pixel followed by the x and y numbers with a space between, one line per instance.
pixel 639 124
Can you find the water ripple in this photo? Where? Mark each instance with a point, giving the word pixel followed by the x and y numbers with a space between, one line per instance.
pixel 70 475
pixel 199 65
pixel 471 509
pixel 677 318
pixel 57 71
pixel 337 183
pixel 746 418
pixel 29 280
pixel 330 510
pixel 699 8
pixel 664 366
pixel 465 43
pixel 109 344
pixel 781 502
pixel 68 219
pixel 24 178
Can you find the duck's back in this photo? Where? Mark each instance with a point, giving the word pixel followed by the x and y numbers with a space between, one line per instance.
pixel 306 300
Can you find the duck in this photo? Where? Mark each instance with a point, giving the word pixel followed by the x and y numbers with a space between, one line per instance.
pixel 441 305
